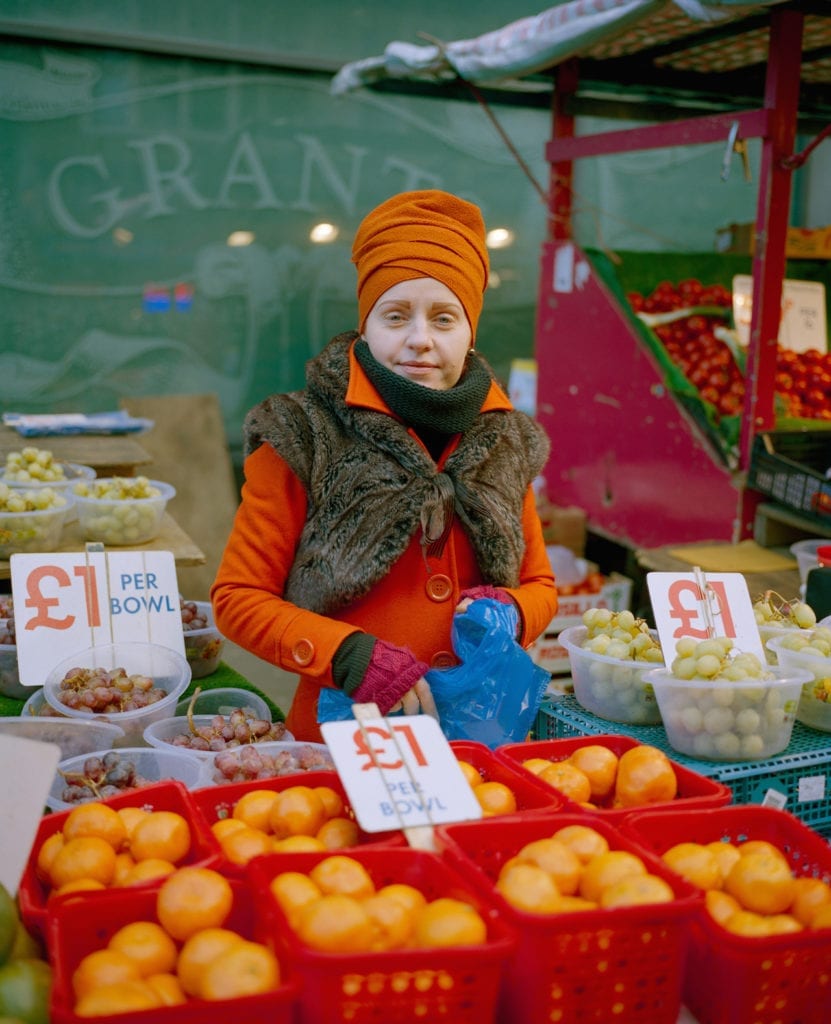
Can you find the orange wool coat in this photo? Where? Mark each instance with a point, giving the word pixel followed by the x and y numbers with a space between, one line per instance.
pixel 411 606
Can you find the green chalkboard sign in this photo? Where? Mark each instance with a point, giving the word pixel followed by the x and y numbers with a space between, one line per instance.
pixel 126 179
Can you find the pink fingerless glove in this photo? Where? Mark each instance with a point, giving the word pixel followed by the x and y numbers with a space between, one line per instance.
pixel 494 593
pixel 391 672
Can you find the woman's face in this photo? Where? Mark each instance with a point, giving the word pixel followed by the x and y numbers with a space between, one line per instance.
pixel 419 330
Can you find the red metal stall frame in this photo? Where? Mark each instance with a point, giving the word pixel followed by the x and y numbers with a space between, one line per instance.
pixel 775 124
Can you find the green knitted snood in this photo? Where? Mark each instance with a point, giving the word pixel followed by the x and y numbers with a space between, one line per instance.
pixel 451 412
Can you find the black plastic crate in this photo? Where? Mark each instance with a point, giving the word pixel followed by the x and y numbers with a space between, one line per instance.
pixel 790 466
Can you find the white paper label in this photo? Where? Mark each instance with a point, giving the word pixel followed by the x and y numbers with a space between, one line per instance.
pixel 64 603
pixel 400 773
pixel 803 322
pixel 811 787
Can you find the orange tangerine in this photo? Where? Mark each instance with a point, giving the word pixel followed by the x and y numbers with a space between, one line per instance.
pixel 293 890
pixel 162 834
pixel 112 1000
pixel 391 920
pixel 339 833
pixel 636 890
pixel 200 950
pixel 599 765
pixel 810 895
pixel 585 841
pixel 298 810
pixel 470 772
pixel 79 885
pixel 336 923
pixel 254 808
pixel 193 898
pixel 46 855
pixel 124 864
pixel 148 871
pixel 225 826
pixel 103 967
pixel 760 846
pixel 148 945
pixel 449 922
pixel 726 855
pixel 246 969
pixel 339 873
pixel 695 863
pixel 822 918
pixel 783 924
pixel 84 857
pixel 412 899
pixel 131 816
pixel 570 904
pixel 331 800
pixel 96 819
pixel 556 859
pixel 536 764
pixel 747 922
pixel 528 887
pixel 721 906
pixel 301 844
pixel 762 882
pixel 245 843
pixel 644 776
pixel 606 869
pixel 495 798
pixel 166 988
pixel 568 780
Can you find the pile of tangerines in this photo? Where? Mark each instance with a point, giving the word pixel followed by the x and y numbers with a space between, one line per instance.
pixel 576 869
pixel 336 907
pixel 594 776
pixel 749 887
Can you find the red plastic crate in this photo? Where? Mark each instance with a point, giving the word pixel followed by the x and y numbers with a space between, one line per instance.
pixel 733 979
pixel 457 984
pixel 624 965
pixel 694 790
pixel 215 802
pixel 530 793
pixel 73 932
pixel 169 795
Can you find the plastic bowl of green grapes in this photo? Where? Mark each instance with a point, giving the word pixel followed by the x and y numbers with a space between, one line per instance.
pixel 809 651
pixel 32 520
pixel 121 511
pixel 720 704
pixel 610 655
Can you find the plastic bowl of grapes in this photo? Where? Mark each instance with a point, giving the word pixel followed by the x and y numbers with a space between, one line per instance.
pixel 121 511
pixel 612 685
pixel 129 684
pixel 206 735
pixel 720 704
pixel 203 641
pixel 776 617
pixel 222 700
pixel 100 774
pixel 809 652
pixel 31 520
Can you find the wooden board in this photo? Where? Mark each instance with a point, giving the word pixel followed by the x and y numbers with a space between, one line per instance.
pixel 108 454
pixel 189 450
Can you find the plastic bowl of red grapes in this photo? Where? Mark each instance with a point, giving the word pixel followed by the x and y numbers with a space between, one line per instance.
pixel 203 641
pixel 130 684
pixel 10 685
pixel 206 735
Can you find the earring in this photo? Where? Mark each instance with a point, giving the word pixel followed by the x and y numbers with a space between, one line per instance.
pixel 471 352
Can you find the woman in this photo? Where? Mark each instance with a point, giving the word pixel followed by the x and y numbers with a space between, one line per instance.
pixel 393 489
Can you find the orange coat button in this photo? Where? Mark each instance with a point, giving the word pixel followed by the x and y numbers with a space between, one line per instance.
pixel 303 652
pixel 439 588
pixel 444 659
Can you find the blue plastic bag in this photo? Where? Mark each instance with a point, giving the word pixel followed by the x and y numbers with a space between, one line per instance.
pixel 492 697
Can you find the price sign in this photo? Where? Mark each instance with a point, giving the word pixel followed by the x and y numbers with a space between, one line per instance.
pixel 702 605
pixel 64 603
pixel 400 773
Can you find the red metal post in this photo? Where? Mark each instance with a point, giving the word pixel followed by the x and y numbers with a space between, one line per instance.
pixel 562 172
pixel 772 217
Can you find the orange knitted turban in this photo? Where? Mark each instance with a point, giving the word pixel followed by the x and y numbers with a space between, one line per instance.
pixel 422 234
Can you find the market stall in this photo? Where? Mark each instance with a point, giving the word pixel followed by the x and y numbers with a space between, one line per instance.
pixel 623 422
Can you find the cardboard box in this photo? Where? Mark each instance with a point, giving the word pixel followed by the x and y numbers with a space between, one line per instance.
pixel 800 243
pixel 616 595
pixel 563 525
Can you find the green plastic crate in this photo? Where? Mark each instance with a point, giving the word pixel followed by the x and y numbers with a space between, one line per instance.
pixel 802 774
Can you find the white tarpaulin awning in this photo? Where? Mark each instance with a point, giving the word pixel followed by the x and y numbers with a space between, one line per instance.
pixel 531 44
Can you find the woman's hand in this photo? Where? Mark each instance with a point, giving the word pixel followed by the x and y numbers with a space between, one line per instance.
pixel 419 700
